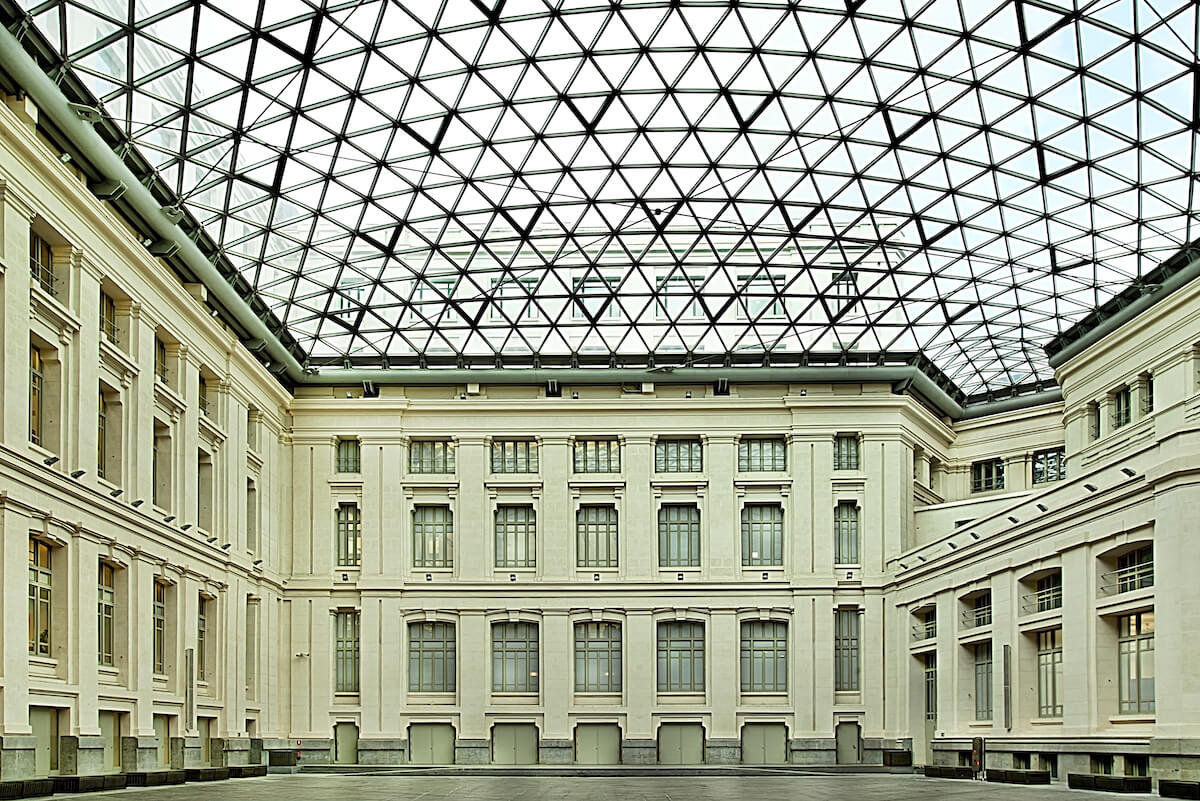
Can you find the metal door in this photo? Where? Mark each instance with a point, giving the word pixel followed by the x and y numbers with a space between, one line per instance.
pixel 345 744
pixel 204 726
pixel 162 732
pixel 431 744
pixel 598 744
pixel 515 744
pixel 44 722
pixel 849 743
pixel 764 744
pixel 680 744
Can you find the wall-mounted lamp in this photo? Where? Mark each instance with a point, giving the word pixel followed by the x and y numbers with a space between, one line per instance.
pixel 49 460
pixel 186 526
pixel 137 503
pixel 168 518
pixel 1128 472
pixel 211 540
pixel 226 546
pixel 77 473
pixel 116 492
pixel 257 562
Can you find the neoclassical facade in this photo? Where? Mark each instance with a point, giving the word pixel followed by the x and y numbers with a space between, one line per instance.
pixel 811 566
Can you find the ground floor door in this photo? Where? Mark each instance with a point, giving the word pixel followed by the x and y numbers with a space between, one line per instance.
pixel 431 744
pixel 44 721
pixel 515 744
pixel 680 744
pixel 162 733
pixel 345 744
pixel 849 743
pixel 598 744
pixel 764 744
pixel 205 727
pixel 110 730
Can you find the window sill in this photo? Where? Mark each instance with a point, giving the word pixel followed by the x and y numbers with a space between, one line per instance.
pixel 1046 722
pixel 980 724
pixel 43 661
pixel 1144 717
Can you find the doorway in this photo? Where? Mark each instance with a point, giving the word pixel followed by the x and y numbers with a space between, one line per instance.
pixel 431 744
pixel 764 744
pixel 849 743
pixel 345 744
pixel 680 744
pixel 514 744
pixel 598 744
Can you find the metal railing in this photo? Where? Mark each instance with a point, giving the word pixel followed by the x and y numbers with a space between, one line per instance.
pixel 1127 579
pixel 1042 600
pixel 977 616
pixel 925 631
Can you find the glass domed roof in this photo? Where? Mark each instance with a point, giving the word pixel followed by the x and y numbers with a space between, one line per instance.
pixel 664 181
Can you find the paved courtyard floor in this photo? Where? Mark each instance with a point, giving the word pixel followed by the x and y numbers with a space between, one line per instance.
pixel 860 787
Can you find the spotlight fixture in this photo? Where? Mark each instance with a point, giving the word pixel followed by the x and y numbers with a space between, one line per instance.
pixel 574 396
pixel 226 546
pixel 687 394
pixel 1013 519
pixel 257 562
pixel 168 518
pixel 137 503
pixel 116 492
pixel 186 526
pixel 77 473
pixel 212 540
pixel 1089 487
pixel 1042 507
pixel 1128 472
pixel 49 460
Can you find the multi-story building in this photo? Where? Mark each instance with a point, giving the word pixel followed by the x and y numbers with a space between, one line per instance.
pixel 806 566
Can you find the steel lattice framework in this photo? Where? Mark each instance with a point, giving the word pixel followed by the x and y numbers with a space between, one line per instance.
pixel 515 181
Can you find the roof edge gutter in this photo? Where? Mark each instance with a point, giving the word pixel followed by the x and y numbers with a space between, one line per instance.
pixel 51 102
pixel 976 410
pixel 1184 276
pixel 912 376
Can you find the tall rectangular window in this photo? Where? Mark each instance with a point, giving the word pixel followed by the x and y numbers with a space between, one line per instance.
pixel 987 475
pixel 1135 570
pixel 433 536
pixel 764 656
pixel 678 535
pixel 345 653
pixel 37 388
pixel 1135 646
pixel 983 681
pixel 515 658
pixel 516 536
pixel 596 536
pixel 349 455
pixel 159 613
pixel 431 657
pixel 431 456
pixel 598 455
pixel 349 535
pixel 845 452
pixel 597 657
pixel 102 436
pixel 41 263
pixel 762 454
pixel 762 535
pixel 680 656
pixel 108 317
pixel 514 456
pixel 1049 465
pixel 678 456
pixel 160 467
pixel 1122 407
pixel 202 639
pixel 160 360
pixel 1049 592
pixel 1050 673
pixel 251 516
pixel 845 650
pixel 845 533
pixel 929 665
pixel 106 613
pixel 1147 393
pixel 41 596
pixel 202 394
pixel 981 609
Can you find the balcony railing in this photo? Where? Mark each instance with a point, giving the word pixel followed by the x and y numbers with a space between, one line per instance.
pixel 1127 579
pixel 977 616
pixel 924 631
pixel 1041 601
